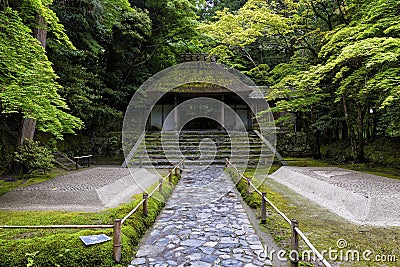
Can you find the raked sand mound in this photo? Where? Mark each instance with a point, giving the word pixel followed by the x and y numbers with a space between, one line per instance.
pixel 358 197
pixel 92 189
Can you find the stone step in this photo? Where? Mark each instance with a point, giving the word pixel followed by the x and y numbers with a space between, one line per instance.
pixel 188 144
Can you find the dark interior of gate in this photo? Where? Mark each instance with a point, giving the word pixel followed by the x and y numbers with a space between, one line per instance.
pixel 203 139
pixel 170 100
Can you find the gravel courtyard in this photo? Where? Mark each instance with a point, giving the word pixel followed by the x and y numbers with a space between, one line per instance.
pixel 358 197
pixel 89 190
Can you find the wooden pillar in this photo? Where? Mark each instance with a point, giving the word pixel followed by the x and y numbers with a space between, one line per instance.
pixel 160 181
pixel 176 118
pixel 145 204
pixel 248 186
pixel 263 208
pixel 117 241
pixel 223 111
pixel 294 253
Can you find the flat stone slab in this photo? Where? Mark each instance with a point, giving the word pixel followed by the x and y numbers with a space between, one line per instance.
pixel 89 190
pixel 203 224
pixel 358 197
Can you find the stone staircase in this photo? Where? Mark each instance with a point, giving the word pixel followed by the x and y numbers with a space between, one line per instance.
pixel 204 147
pixel 64 162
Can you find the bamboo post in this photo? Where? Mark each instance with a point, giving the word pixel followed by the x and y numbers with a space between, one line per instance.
pixel 263 208
pixel 170 176
pixel 145 204
pixel 160 181
pixel 294 253
pixel 117 241
pixel 248 186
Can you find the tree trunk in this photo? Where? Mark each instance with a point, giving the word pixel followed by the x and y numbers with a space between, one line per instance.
pixel 28 125
pixel 349 128
pixel 360 157
pixel 27 130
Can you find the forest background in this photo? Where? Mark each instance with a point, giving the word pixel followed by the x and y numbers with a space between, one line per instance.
pixel 68 69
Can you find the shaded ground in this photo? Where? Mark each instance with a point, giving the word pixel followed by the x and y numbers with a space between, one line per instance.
pixel 91 189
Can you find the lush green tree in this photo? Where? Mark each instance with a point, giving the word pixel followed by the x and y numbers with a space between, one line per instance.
pixel 331 63
pixel 208 8
pixel 108 36
pixel 28 81
pixel 362 62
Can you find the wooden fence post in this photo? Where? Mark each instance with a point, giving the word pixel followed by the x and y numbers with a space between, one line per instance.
pixel 176 170
pixel 263 208
pixel 145 204
pixel 160 181
pixel 117 241
pixel 226 162
pixel 248 186
pixel 170 176
pixel 294 253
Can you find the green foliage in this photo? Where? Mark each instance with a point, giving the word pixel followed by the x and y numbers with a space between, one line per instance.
pixel 28 83
pixel 328 62
pixel 208 8
pixel 235 32
pixel 32 157
pixel 29 10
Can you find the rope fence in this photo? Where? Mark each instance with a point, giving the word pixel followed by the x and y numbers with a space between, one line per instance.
pixel 117 226
pixel 295 230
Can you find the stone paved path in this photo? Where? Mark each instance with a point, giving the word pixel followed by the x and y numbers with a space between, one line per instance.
pixel 203 224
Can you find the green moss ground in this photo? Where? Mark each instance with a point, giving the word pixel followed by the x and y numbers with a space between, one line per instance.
pixel 62 247
pixel 34 178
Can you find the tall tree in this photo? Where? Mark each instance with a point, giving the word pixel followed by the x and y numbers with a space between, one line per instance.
pixel 28 82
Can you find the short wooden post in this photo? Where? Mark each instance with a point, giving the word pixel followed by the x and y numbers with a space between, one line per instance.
pixel 176 170
pixel 76 163
pixel 88 161
pixel 145 204
pixel 117 241
pixel 140 162
pixel 263 208
pixel 160 181
pixel 248 186
pixel 294 253
pixel 170 176
pixel 226 162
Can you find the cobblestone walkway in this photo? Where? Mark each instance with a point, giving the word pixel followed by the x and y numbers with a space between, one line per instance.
pixel 203 224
